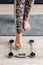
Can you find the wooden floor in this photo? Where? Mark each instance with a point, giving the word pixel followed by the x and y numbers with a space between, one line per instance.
pixel 9 9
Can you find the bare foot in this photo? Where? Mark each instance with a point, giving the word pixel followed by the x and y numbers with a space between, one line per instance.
pixel 26 25
pixel 18 41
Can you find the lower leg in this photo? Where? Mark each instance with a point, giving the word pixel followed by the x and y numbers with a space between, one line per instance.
pixel 18 41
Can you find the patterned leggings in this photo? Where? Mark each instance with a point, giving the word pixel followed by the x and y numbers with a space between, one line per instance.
pixel 23 8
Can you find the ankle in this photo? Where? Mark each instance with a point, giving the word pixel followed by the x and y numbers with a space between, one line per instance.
pixel 19 35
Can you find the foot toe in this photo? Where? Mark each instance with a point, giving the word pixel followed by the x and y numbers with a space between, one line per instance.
pixel 18 46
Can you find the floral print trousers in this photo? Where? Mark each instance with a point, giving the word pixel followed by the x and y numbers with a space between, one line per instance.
pixel 23 8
